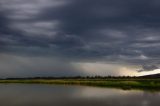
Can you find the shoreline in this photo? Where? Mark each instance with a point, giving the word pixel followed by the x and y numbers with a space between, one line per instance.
pixel 144 84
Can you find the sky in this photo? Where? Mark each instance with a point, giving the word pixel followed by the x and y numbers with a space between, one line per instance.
pixel 79 37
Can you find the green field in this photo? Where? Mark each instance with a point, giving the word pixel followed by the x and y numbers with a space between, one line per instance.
pixel 146 84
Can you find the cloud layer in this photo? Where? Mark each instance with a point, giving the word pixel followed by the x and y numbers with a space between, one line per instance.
pixel 113 32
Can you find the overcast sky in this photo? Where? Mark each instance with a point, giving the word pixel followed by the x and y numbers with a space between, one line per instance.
pixel 78 37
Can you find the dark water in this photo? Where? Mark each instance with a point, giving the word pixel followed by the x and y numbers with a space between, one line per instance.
pixel 55 95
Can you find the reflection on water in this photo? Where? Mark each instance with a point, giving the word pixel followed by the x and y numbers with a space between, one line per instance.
pixel 53 95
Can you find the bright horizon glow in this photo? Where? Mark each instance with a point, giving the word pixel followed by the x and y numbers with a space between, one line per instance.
pixel 149 72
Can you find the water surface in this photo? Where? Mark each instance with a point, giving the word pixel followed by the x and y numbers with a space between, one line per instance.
pixel 57 95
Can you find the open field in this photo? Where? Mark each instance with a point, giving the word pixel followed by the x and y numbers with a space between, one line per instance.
pixel 145 84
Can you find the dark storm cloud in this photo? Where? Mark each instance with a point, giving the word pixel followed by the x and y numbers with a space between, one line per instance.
pixel 90 30
pixel 148 68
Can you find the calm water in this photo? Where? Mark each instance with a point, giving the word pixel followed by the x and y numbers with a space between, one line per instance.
pixel 53 95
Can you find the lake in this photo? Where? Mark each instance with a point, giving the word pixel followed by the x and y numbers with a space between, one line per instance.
pixel 60 95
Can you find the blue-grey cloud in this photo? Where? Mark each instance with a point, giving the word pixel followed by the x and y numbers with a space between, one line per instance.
pixel 123 31
pixel 148 68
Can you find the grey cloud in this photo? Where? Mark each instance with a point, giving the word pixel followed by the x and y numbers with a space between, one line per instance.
pixel 148 68
pixel 16 66
pixel 123 31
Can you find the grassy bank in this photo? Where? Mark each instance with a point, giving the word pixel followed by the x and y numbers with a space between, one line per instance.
pixel 150 84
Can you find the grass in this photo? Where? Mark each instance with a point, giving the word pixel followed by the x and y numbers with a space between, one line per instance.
pixel 145 84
